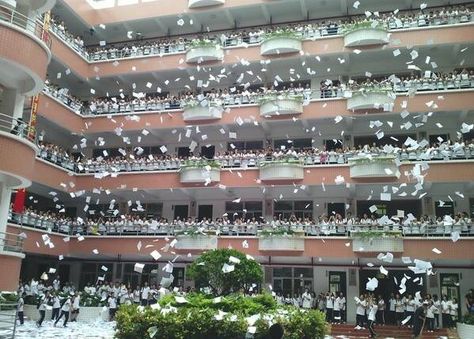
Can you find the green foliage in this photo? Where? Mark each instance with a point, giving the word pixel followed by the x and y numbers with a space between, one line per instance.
pixel 468 319
pixel 365 24
pixel 277 231
pixel 288 33
pixel 201 43
pixel 270 97
pixel 207 269
pixel 213 164
pixel 197 319
pixel 287 160
pixel 8 300
pixel 389 160
pixel 368 235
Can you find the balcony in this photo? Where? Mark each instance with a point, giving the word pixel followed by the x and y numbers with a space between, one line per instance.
pixel 19 70
pixel 365 34
pixel 281 42
pixel 371 99
pixel 281 104
pixel 285 169
pixel 196 242
pixel 280 241
pixel 374 167
pixel 377 241
pixel 200 172
pixel 198 111
pixel 204 3
pixel 17 152
pixel 204 51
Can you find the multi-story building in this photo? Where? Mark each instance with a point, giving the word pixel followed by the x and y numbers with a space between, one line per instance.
pixel 312 135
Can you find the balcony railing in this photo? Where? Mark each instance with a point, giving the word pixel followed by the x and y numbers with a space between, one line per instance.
pixel 33 26
pixel 156 228
pixel 11 242
pixel 17 127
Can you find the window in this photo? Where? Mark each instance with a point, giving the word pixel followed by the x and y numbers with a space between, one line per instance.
pixel 245 145
pixel 300 208
pixel 395 140
pixel 253 209
pixel 292 280
pixel 333 144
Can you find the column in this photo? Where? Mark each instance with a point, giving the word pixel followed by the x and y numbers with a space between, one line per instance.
pixel 5 195
pixel 12 103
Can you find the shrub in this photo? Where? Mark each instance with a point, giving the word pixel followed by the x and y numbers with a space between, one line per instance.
pixel 207 271
pixel 468 319
pixel 197 319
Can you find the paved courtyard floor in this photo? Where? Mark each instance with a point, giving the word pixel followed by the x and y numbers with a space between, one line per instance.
pixel 93 330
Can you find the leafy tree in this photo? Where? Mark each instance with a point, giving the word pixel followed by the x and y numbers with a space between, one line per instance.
pixel 207 271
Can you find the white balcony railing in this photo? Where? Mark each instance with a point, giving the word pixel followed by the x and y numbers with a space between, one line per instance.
pixel 281 106
pixel 281 243
pixel 200 242
pixel 199 175
pixel 282 170
pixel 377 167
pixel 362 100
pixel 280 45
pixel 204 3
pixel 199 54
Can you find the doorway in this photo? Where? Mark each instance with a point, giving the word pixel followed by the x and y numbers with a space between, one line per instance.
pixel 443 208
pixel 337 282
pixel 183 152
pixel 205 211
pixel 181 212
pixel 208 152
pixel 450 287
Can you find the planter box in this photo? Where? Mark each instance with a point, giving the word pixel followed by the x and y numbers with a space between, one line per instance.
pixel 202 113
pixel 281 107
pixel 373 169
pixel 195 175
pixel 86 314
pixel 465 331
pixel 282 171
pixel 281 243
pixel 205 53
pixel 360 101
pixel 204 3
pixel 280 45
pixel 394 245
pixel 366 37
pixel 196 242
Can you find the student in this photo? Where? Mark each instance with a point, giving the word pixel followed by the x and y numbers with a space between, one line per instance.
pixel 21 304
pixel 419 318
pixel 337 310
pixel 360 312
pixel 329 307
pixel 398 310
pixel 381 311
pixel 453 311
pixel 437 305
pixel 445 315
pixel 430 317
pixel 75 306
pixel 372 308
pixel 307 300
pixel 342 300
pixel 410 309
pixel 56 306
pixel 42 308
pixel 145 293
pixel 65 309
pixel 112 302
pixel 391 310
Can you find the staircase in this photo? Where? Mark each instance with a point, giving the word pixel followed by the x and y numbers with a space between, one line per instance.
pixel 347 331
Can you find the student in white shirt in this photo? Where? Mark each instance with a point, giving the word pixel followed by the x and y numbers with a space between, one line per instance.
pixel 437 309
pixel 75 306
pixel 410 309
pixel 372 308
pixel 398 310
pixel 445 315
pixel 21 304
pixel 337 310
pixel 56 306
pixel 430 317
pixel 453 311
pixel 145 293
pixel 42 308
pixel 329 306
pixel 65 309
pixel 112 302
pixel 391 310
pixel 307 299
pixel 381 311
pixel 342 301
pixel 361 305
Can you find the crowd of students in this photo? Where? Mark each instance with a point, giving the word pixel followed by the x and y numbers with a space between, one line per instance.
pixel 237 96
pixel 139 160
pixel 239 224
pixel 137 47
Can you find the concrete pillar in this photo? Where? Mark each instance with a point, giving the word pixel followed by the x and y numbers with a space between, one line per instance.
pixel 12 103
pixel 5 195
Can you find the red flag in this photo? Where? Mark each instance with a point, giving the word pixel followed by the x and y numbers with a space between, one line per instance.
pixel 19 203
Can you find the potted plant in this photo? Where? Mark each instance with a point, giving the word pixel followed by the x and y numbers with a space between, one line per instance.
pixel 465 326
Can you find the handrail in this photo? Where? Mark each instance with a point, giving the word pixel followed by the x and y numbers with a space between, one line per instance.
pixel 154 228
pixel 34 26
pixel 11 242
pixel 17 126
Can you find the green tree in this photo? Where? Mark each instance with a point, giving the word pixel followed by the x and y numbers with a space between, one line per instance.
pixel 207 271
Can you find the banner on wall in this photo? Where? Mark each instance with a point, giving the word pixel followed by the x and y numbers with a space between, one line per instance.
pixel 46 26
pixel 19 202
pixel 33 117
